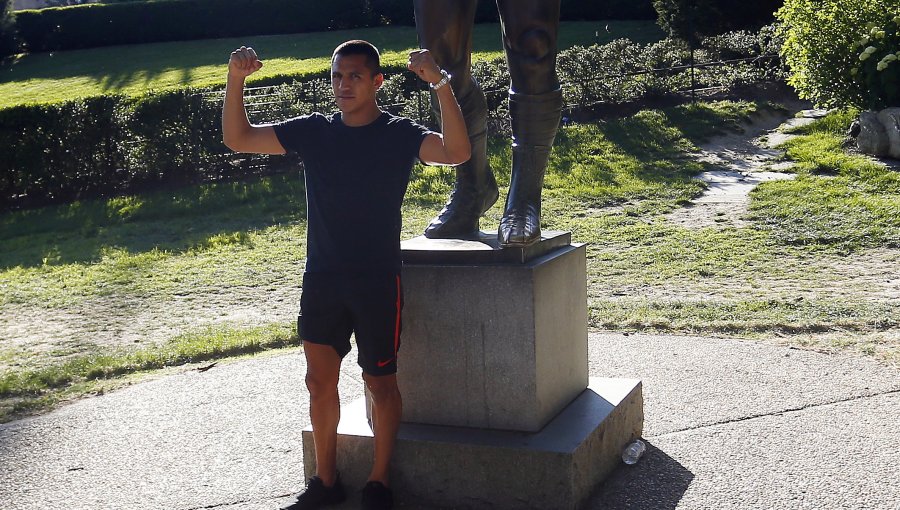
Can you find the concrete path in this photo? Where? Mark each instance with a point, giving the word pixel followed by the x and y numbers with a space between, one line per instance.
pixel 730 424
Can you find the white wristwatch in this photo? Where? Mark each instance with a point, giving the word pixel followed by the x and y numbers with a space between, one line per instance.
pixel 445 80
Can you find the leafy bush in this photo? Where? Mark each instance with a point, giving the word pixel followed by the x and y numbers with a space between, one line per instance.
pixel 824 42
pixel 692 20
pixel 115 144
pixel 57 152
pixel 622 70
pixel 136 22
pixel 878 72
pixel 92 25
pixel 615 59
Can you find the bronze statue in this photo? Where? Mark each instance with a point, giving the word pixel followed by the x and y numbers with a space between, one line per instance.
pixel 530 30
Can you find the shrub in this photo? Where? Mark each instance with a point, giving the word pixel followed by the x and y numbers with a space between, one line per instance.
pixel 583 64
pixel 109 145
pixel 879 70
pixel 824 41
pixel 692 20
pixel 92 25
pixel 58 152
pixel 624 67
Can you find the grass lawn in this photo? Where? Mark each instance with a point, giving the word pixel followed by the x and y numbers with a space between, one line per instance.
pixel 169 268
pixel 52 77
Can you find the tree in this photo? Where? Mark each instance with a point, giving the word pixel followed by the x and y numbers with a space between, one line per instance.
pixel 843 52
pixel 8 43
pixel 691 20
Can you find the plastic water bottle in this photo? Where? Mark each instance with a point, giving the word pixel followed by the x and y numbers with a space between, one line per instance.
pixel 632 453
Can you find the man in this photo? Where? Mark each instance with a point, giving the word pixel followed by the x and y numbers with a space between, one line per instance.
pixel 530 30
pixel 357 166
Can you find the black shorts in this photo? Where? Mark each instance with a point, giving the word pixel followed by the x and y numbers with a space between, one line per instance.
pixel 332 306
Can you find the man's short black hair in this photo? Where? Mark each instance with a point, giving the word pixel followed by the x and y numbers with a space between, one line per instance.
pixel 360 47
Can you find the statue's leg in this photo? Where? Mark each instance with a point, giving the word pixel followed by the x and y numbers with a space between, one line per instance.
pixel 535 104
pixel 445 28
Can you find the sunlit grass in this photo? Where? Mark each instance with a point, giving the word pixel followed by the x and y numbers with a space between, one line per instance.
pixel 840 200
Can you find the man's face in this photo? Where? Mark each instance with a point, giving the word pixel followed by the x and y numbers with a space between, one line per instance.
pixel 353 84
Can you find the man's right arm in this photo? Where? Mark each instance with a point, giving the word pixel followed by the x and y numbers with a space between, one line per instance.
pixel 237 132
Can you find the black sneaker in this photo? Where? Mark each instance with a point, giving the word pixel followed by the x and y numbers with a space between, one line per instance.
pixel 317 495
pixel 375 496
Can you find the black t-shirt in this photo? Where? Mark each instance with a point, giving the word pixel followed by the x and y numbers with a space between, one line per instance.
pixel 355 181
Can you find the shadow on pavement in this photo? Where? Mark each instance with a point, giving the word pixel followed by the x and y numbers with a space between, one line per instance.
pixel 656 482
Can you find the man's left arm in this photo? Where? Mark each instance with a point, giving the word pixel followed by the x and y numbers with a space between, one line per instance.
pixel 452 146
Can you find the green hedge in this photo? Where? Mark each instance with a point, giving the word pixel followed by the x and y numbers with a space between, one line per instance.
pixel 93 25
pixel 110 145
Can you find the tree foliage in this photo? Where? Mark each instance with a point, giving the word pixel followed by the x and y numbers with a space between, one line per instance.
pixel 8 43
pixel 691 20
pixel 827 48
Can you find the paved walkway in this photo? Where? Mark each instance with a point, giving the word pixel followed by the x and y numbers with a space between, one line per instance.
pixel 730 424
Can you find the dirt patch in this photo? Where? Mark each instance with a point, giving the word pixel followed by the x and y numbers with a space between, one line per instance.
pixel 35 336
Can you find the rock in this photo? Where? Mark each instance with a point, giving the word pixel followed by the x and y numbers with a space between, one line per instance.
pixel 872 137
pixel 890 119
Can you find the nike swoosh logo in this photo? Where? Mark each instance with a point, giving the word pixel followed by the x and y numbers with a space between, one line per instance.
pixel 382 364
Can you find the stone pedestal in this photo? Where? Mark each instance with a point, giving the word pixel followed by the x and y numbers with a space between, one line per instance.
pixel 498 412
pixel 459 467
pixel 494 345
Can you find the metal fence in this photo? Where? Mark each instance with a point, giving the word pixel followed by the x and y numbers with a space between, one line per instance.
pixel 276 102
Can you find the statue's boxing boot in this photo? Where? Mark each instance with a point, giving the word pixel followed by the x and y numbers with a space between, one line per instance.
pixel 535 120
pixel 475 190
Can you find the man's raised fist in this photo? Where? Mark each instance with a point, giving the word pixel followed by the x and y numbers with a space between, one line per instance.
pixel 243 62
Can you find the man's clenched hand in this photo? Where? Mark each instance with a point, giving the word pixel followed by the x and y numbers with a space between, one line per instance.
pixel 243 62
pixel 422 63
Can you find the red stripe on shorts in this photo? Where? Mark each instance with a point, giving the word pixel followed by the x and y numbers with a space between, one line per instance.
pixel 397 325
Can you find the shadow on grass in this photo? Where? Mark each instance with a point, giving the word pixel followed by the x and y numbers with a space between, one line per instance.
pixel 174 220
pixel 656 482
pixel 627 158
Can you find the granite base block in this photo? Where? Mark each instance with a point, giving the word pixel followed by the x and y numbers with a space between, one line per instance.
pixel 460 467
pixel 494 346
